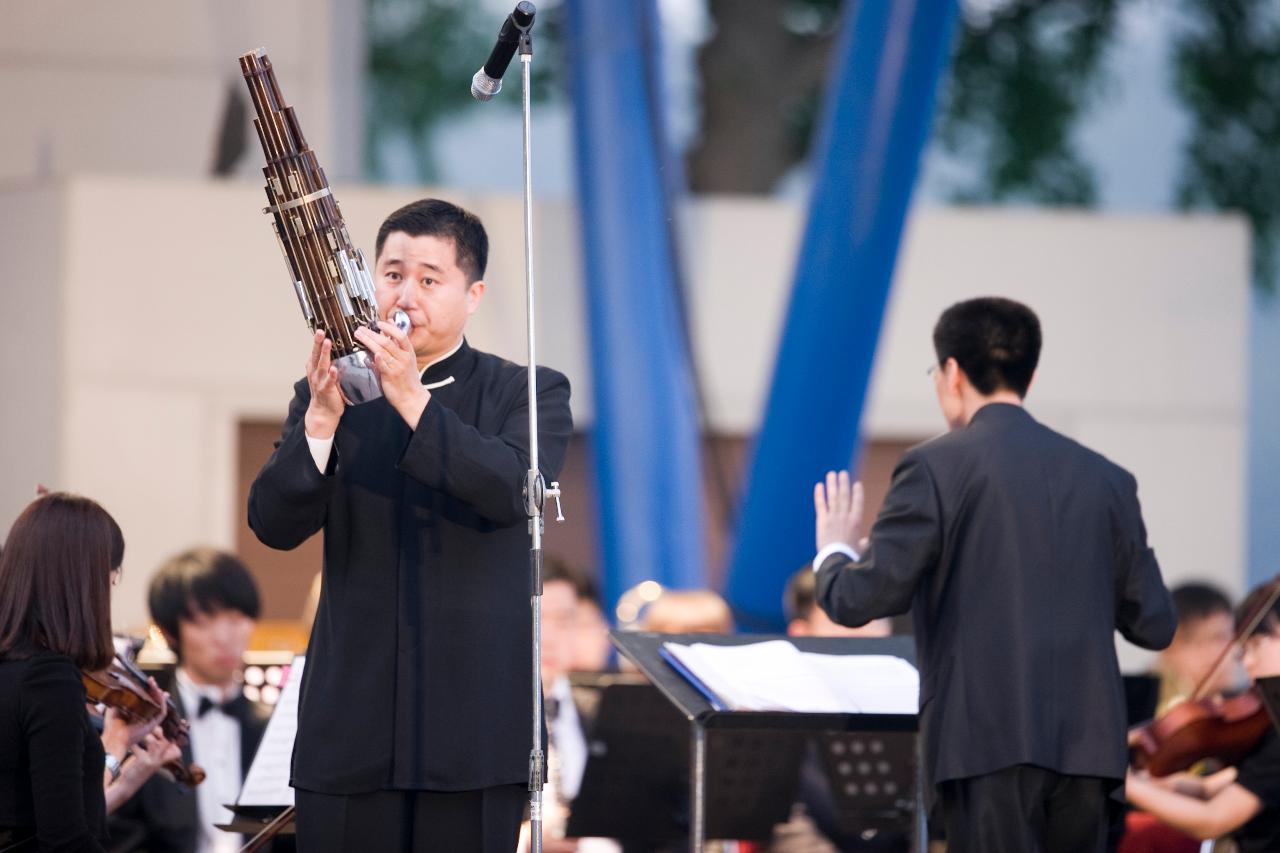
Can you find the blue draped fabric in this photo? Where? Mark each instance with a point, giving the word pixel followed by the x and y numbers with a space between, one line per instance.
pixel 878 109
pixel 645 440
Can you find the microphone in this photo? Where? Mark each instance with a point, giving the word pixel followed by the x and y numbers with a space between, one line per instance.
pixel 487 82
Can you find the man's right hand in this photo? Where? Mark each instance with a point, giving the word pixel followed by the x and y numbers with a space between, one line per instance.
pixel 327 405
pixel 838 507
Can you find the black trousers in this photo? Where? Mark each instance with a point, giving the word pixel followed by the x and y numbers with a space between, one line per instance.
pixel 482 821
pixel 1026 809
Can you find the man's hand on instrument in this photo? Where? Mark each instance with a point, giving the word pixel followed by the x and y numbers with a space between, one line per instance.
pixel 838 505
pixel 397 367
pixel 327 403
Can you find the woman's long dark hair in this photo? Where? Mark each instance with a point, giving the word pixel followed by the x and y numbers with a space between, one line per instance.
pixel 55 580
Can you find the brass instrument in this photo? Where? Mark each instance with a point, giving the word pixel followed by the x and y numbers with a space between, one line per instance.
pixel 330 276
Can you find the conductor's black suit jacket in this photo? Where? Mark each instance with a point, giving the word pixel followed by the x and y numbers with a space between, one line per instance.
pixel 418 670
pixel 1020 553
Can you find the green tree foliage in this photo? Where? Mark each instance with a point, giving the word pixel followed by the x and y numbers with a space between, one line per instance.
pixel 1022 75
pixel 422 54
pixel 1228 76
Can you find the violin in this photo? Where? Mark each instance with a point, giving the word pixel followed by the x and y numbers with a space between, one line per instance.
pixel 1206 726
pixel 125 688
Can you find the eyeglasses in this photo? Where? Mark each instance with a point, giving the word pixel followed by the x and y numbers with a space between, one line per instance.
pixel 932 369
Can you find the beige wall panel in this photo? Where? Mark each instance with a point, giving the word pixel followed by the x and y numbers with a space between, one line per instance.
pixel 142 451
pixel 31 406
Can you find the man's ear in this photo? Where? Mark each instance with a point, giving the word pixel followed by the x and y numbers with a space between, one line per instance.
pixel 954 376
pixel 474 291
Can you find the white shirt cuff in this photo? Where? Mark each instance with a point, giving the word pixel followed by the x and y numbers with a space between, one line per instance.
pixel 834 548
pixel 320 450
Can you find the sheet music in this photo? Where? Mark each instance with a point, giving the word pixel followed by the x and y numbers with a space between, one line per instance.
pixel 267 782
pixel 776 676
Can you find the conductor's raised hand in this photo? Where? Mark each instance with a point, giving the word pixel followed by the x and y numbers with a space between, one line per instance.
pixel 397 367
pixel 838 503
pixel 327 404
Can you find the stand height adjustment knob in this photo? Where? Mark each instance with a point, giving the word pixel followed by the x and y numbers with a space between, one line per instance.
pixel 554 492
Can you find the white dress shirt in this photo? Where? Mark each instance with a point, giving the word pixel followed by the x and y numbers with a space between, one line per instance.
pixel 215 746
pixel 833 548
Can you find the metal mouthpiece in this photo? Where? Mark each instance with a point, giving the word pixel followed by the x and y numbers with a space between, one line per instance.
pixel 402 321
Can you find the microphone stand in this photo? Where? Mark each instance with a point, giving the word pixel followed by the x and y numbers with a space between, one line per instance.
pixel 535 489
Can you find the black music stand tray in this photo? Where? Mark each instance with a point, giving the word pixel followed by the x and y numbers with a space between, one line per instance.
pixel 743 765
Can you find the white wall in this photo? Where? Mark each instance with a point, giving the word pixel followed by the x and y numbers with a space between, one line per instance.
pixel 138 86
pixel 177 320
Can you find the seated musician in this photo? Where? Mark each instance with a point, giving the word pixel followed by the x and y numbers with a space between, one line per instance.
pixel 1243 800
pixel 1205 628
pixel 562 590
pixel 61 559
pixel 806 619
pixel 206 604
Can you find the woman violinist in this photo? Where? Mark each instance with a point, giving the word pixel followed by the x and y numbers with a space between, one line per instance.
pixel 56 571
pixel 1243 799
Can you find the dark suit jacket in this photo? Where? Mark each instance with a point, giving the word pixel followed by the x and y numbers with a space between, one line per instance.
pixel 162 817
pixel 418 672
pixel 1020 553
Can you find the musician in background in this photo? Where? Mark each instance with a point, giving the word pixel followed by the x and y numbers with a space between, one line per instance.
pixel 592 650
pixel 206 603
pixel 806 619
pixel 1245 799
pixel 417 699
pixel 1020 553
pixel 688 611
pixel 62 557
pixel 1206 626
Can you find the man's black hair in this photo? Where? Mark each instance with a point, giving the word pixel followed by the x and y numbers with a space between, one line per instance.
pixel 584 587
pixel 204 580
pixel 1195 601
pixel 995 341
pixel 432 217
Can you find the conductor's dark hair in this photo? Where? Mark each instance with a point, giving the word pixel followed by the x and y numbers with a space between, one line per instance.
pixel 1195 601
pixel 432 217
pixel 55 580
pixel 203 580
pixel 801 594
pixel 995 341
pixel 1270 622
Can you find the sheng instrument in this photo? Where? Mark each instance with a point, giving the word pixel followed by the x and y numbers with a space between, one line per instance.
pixel 331 278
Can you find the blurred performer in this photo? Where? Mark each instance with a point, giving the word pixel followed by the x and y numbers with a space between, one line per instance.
pixel 413 730
pixel 1243 800
pixel 1205 627
pixel 591 647
pixel 206 604
pixel 806 619
pixel 60 561
pixel 688 611
pixel 566 728
pixel 1022 552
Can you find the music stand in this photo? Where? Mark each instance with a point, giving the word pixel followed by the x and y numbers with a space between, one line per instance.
pixel 744 765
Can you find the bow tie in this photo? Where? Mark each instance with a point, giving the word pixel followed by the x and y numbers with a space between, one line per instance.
pixel 229 707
